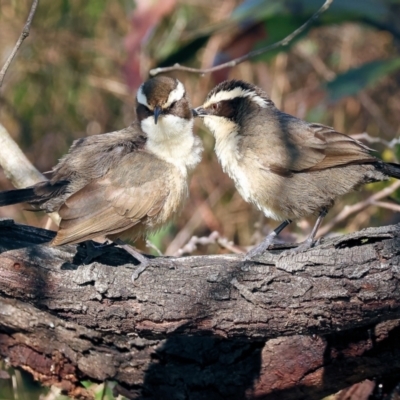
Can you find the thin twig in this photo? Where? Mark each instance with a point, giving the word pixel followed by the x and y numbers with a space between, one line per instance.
pixel 151 245
pixel 252 54
pixel 347 211
pixel 24 34
pixel 373 139
pixel 213 238
pixel 386 204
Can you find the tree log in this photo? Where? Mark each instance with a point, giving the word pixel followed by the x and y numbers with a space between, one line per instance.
pixel 300 326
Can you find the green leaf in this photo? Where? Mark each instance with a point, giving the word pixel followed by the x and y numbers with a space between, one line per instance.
pixel 340 10
pixel 354 80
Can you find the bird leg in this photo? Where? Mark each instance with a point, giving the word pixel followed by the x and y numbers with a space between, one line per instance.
pixel 144 262
pixel 94 250
pixel 310 241
pixel 263 246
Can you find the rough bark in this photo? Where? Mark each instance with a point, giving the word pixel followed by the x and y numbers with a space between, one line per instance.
pixel 301 326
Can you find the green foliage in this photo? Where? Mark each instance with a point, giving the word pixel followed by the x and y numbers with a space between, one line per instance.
pixel 356 79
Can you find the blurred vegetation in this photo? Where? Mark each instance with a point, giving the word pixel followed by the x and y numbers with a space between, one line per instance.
pixel 77 73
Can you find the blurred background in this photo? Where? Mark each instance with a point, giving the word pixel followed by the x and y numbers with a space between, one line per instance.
pixel 78 71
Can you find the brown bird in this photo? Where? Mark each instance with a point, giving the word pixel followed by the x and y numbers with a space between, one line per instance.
pixel 126 183
pixel 285 166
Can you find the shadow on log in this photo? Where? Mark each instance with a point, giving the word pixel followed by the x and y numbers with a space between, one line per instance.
pixel 204 327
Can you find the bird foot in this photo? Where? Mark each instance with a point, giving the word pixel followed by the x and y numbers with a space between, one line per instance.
pixel 259 249
pixel 144 262
pixel 94 250
pixel 301 248
pixel 142 267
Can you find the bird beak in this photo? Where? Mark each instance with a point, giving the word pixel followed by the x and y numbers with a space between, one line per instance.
pixel 199 112
pixel 157 112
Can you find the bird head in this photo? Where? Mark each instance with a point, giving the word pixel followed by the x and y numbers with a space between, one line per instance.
pixel 162 101
pixel 229 106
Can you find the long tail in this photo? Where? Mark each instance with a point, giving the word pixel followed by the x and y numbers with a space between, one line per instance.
pixel 36 194
pixel 17 196
pixel 392 170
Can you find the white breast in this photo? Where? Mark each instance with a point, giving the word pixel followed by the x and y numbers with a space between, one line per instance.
pixel 231 160
pixel 226 148
pixel 172 140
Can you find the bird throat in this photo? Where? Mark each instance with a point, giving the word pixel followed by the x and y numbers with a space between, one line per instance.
pixel 172 140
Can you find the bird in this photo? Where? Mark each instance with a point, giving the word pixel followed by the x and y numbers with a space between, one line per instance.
pixel 127 183
pixel 287 167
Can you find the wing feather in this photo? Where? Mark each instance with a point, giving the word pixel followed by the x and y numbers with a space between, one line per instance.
pixel 115 202
pixel 292 145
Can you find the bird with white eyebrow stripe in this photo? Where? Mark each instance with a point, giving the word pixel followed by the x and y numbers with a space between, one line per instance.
pixel 285 166
pixel 127 183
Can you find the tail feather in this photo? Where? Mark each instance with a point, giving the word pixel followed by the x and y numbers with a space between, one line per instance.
pixel 17 196
pixel 392 170
pixel 36 195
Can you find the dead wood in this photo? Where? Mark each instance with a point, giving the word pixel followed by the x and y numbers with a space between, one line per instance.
pixel 201 327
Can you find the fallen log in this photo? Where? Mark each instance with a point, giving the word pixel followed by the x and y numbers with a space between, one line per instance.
pixel 213 327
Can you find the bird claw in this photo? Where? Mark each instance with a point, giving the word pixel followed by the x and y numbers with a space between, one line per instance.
pixel 301 248
pixel 258 250
pixel 141 268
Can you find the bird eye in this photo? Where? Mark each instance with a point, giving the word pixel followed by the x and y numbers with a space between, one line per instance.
pixel 215 106
pixel 172 104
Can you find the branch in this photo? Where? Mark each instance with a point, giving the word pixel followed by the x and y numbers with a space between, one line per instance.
pixel 387 205
pixel 214 238
pixel 375 139
pixel 17 168
pixel 213 319
pixel 252 54
pixel 24 34
pixel 349 210
pixel 54 279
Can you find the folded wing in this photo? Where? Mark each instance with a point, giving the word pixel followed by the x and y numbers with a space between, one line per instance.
pixel 299 146
pixel 116 202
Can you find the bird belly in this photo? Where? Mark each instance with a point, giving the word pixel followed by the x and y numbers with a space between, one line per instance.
pixel 175 200
pixel 173 204
pixel 250 183
pixel 306 194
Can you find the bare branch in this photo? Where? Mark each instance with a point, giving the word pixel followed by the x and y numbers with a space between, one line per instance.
pixel 213 238
pixel 252 54
pixel 17 168
pixel 347 211
pixel 24 34
pixel 386 204
pixel 151 245
pixel 374 139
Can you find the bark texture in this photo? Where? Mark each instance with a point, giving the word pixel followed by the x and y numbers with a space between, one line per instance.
pixel 205 327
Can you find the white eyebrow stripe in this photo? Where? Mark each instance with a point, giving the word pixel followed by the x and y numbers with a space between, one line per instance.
pixel 175 95
pixel 237 92
pixel 141 97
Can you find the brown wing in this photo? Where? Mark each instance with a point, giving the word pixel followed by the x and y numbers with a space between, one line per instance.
pixel 293 145
pixel 339 149
pixel 115 202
